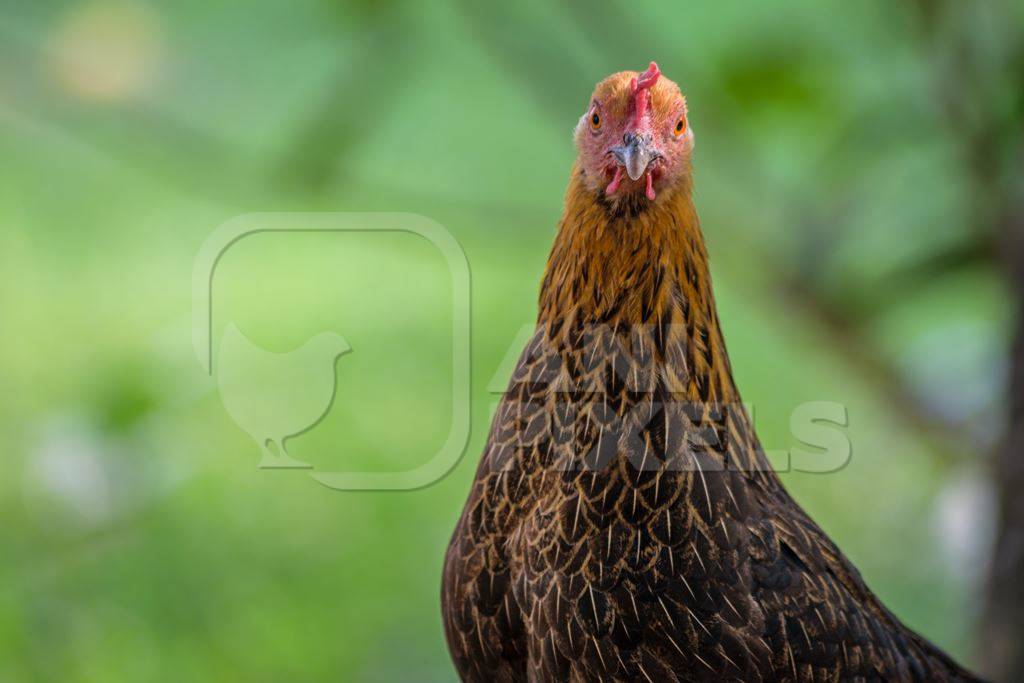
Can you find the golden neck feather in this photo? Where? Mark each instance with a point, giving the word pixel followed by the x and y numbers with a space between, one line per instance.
pixel 635 265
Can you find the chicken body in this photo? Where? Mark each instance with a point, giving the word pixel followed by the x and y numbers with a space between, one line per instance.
pixel 624 523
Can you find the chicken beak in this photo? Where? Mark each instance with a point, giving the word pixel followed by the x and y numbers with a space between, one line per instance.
pixel 635 154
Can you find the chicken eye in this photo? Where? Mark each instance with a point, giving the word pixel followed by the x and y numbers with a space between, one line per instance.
pixel 595 121
pixel 680 126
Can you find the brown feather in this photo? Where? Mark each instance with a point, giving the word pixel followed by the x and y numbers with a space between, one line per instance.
pixel 624 523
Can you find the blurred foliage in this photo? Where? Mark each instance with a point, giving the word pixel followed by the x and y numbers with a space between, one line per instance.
pixel 842 208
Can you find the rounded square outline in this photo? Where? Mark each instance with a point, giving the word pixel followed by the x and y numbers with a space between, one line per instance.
pixel 239 227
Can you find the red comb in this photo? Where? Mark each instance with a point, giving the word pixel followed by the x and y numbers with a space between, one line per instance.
pixel 649 77
pixel 640 85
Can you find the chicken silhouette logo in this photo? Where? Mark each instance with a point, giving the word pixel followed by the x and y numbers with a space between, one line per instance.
pixel 275 396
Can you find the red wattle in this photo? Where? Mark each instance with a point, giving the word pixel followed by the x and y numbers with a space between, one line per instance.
pixel 650 187
pixel 614 184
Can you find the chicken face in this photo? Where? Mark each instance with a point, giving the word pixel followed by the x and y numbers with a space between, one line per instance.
pixel 634 137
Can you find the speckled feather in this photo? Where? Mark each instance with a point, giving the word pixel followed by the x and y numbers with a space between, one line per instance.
pixel 624 524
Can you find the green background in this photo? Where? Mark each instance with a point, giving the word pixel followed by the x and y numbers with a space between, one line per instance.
pixel 140 542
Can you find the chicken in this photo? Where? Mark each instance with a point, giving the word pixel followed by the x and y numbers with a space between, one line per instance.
pixel 624 523
pixel 273 396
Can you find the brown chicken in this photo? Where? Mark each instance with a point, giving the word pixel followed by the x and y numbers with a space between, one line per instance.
pixel 624 523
